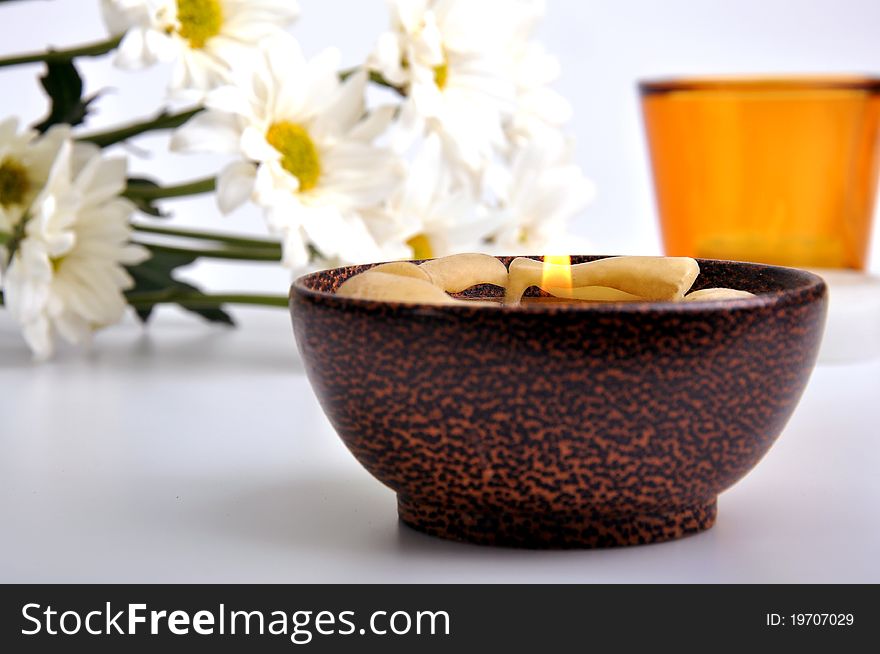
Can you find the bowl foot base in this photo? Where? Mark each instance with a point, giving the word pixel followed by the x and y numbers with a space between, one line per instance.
pixel 541 531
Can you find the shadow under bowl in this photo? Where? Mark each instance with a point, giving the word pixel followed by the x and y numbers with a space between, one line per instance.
pixel 562 425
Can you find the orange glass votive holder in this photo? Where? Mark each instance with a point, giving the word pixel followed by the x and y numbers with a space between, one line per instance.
pixel 773 170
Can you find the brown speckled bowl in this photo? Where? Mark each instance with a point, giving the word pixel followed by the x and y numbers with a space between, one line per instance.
pixel 562 425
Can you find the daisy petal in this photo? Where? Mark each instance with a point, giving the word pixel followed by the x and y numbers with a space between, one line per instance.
pixel 235 185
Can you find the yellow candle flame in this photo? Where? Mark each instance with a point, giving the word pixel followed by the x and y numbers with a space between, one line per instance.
pixel 556 272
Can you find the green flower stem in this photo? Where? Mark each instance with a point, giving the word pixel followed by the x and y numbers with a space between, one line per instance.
pixel 239 254
pixel 203 300
pixel 206 185
pixel 51 55
pixel 379 79
pixel 239 241
pixel 375 77
pixel 164 120
pixel 11 240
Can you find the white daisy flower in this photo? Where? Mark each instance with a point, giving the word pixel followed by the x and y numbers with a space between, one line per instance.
pixel 25 160
pixel 539 107
pixel 66 275
pixel 543 190
pixel 202 37
pixel 452 57
pixel 435 217
pixel 306 147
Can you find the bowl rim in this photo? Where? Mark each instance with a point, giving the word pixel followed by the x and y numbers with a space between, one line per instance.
pixel 808 282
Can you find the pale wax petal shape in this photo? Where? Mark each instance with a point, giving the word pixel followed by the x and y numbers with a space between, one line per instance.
pixel 651 278
pixel 458 272
pixel 401 268
pixel 717 294
pixel 383 287
pixel 594 294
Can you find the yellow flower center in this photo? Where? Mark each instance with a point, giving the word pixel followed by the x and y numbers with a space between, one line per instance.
pixel 299 156
pixel 14 182
pixel 421 247
pixel 441 74
pixel 199 20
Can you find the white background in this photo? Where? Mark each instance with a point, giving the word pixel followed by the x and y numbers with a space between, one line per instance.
pixel 194 454
pixel 604 46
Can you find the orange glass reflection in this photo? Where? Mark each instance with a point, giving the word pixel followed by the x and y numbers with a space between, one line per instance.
pixel 772 170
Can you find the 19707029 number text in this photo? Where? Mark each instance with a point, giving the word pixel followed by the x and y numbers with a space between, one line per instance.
pixel 810 620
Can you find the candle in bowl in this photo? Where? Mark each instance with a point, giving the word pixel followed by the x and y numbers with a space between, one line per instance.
pixel 575 424
pixel 611 279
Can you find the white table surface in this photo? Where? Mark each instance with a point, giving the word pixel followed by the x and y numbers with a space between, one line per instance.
pixel 188 453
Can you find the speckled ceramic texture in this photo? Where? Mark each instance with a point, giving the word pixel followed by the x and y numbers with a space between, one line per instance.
pixel 562 425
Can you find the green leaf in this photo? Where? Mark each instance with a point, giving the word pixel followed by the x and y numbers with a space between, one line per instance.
pixel 155 274
pixel 211 314
pixel 64 87
pixel 144 204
